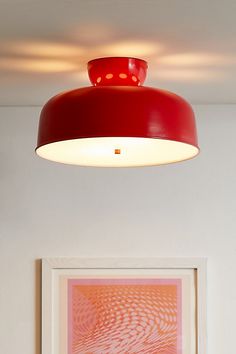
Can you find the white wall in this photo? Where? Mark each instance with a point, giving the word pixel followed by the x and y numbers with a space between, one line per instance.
pixel 48 210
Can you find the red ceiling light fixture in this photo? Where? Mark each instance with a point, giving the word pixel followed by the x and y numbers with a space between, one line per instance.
pixel 117 122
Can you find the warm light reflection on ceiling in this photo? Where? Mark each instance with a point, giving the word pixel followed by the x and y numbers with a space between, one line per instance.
pixel 131 48
pixel 37 65
pixel 192 59
pixel 51 57
pixel 193 75
pixel 81 77
pixel 45 49
pixel 93 33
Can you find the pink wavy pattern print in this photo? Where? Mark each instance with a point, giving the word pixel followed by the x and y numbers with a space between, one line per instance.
pixel 124 316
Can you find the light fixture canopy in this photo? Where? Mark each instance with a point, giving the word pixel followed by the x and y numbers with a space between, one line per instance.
pixel 117 122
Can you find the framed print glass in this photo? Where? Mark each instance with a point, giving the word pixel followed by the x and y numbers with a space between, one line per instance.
pixel 123 306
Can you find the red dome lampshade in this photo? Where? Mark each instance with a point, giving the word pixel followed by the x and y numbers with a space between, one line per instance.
pixel 117 122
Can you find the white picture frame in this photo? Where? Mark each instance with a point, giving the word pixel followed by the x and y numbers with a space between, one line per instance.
pixel 51 267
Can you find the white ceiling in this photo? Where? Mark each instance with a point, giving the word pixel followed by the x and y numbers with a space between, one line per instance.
pixel 45 44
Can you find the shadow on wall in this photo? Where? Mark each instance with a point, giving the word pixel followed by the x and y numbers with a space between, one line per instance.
pixel 38 306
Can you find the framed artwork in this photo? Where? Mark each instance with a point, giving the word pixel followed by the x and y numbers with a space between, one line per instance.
pixel 123 306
